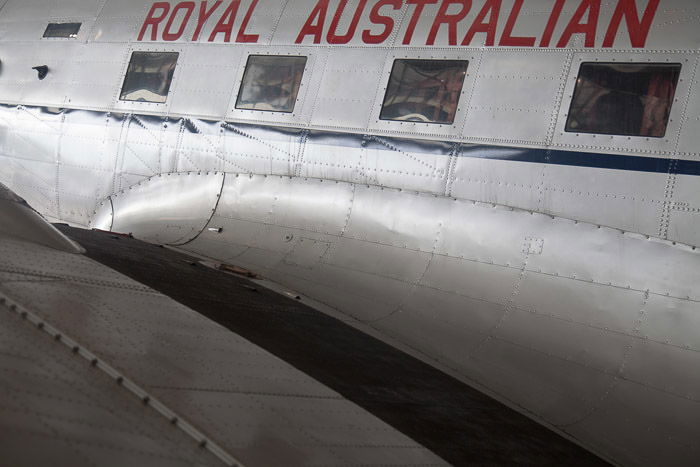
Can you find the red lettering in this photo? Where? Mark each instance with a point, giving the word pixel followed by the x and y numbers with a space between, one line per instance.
pixel 638 30
pixel 507 38
pixel 167 34
pixel 575 26
pixel 417 11
pixel 345 38
pixel 242 36
pixel 450 20
pixel 153 20
pixel 314 23
pixel 225 24
pixel 552 23
pixel 203 17
pixel 492 8
pixel 376 18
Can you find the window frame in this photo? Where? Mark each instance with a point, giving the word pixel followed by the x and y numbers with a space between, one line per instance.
pixel 576 90
pixel 125 75
pixel 246 69
pixel 420 59
pixel 70 36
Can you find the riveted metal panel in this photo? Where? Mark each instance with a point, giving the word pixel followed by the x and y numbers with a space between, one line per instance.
pixel 689 137
pixel 590 304
pixel 673 321
pixel 349 82
pixel 550 387
pixel 397 263
pixel 373 218
pixel 119 21
pixel 457 324
pixel 206 78
pixel 515 95
pixel 588 346
pixel 474 279
pixel 479 232
pixel 505 182
pixel 307 204
pixel 631 201
pixel 633 439
pixel 665 367
pixel 97 70
pixel 261 150
pixel 610 257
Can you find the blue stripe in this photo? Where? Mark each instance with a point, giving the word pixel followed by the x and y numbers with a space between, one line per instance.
pixel 585 159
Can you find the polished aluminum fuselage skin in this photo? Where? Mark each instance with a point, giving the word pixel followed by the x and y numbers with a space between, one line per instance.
pixel 556 271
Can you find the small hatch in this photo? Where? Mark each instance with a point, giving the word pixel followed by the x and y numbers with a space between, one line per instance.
pixel 63 30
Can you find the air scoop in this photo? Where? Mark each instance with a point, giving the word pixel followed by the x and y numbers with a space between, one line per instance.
pixel 168 209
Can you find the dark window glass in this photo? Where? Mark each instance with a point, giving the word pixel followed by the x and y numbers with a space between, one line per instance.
pixel 629 99
pixel 149 76
pixel 62 30
pixel 271 83
pixel 424 90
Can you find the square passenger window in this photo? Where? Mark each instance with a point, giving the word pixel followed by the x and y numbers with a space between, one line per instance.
pixel 149 76
pixel 424 90
pixel 67 30
pixel 271 83
pixel 626 99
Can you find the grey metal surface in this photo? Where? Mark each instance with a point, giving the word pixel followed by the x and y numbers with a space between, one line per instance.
pixel 19 220
pixel 57 409
pixel 254 406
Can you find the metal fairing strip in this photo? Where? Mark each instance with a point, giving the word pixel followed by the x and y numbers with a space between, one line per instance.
pixel 356 140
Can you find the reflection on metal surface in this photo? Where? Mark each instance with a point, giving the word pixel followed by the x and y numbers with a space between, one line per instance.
pixel 170 209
